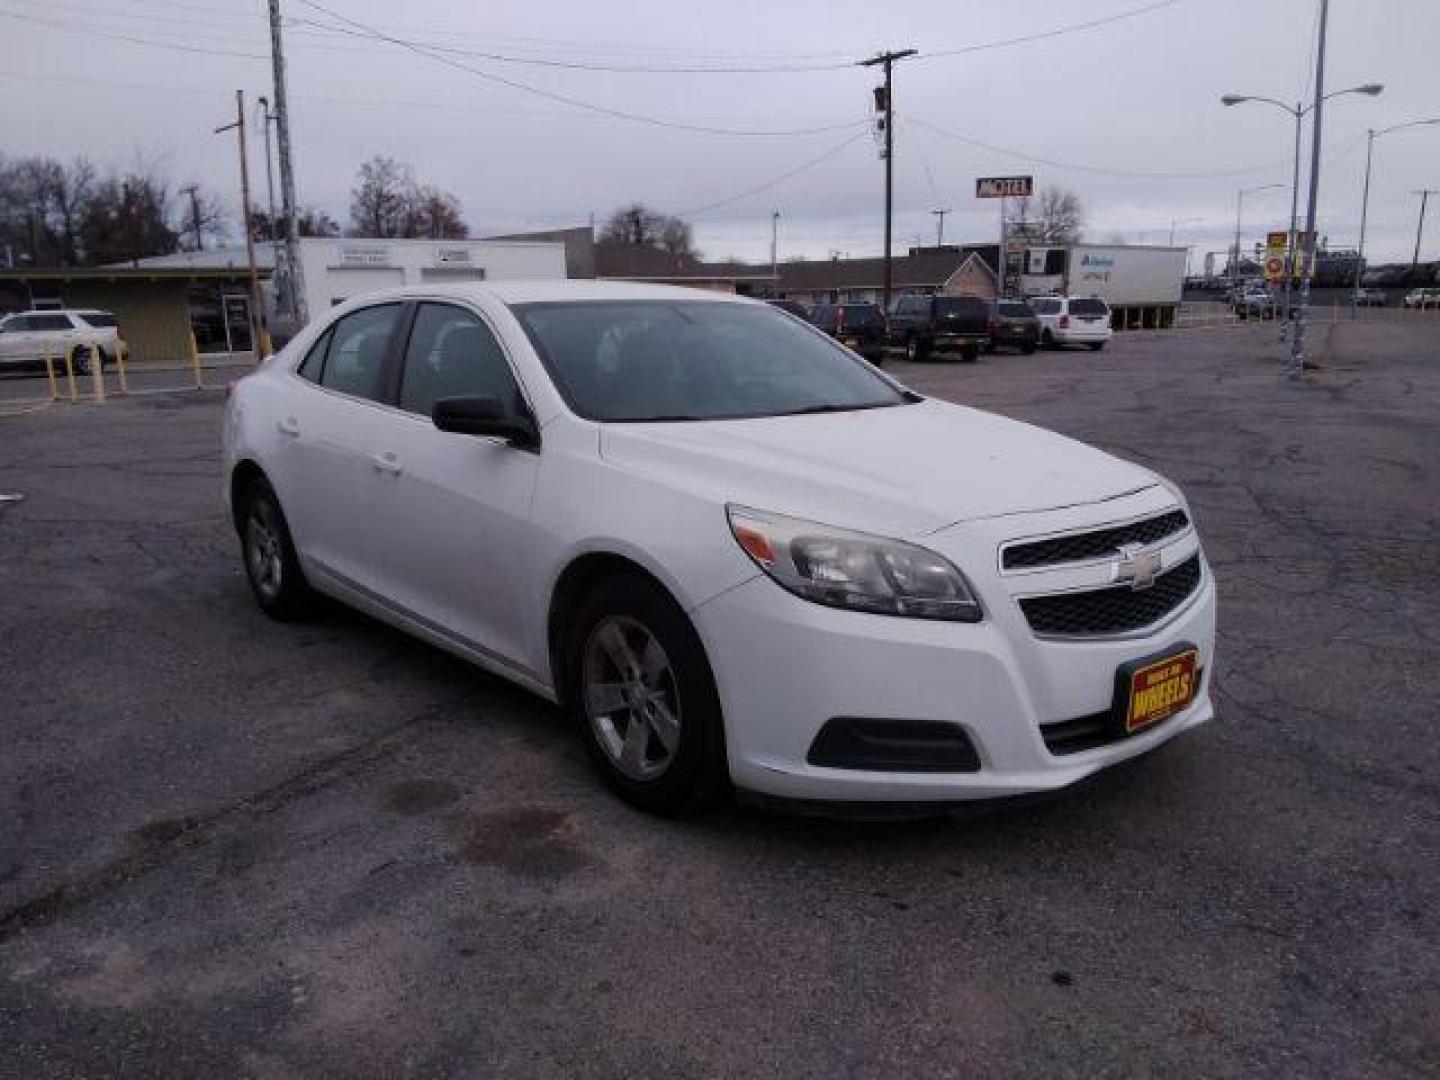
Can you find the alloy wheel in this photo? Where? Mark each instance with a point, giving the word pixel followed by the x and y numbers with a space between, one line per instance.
pixel 264 550
pixel 631 697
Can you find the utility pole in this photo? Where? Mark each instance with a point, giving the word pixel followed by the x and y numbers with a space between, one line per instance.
pixel 267 118
pixel 774 250
pixel 238 125
pixel 884 101
pixel 1307 265
pixel 940 226
pixel 1424 194
pixel 193 191
pixel 293 279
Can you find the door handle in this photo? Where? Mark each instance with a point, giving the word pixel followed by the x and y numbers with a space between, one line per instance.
pixel 387 463
pixel 288 426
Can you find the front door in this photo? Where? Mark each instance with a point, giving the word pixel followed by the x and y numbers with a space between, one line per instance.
pixel 327 445
pixel 453 536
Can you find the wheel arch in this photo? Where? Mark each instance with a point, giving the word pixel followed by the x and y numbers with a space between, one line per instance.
pixel 242 476
pixel 580 575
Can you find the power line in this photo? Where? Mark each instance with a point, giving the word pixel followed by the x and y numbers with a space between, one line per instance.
pixel 768 184
pixel 1097 170
pixel 115 36
pixel 1041 35
pixel 579 103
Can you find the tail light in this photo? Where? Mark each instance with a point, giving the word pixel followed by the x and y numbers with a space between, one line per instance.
pixel 1064 322
pixel 120 331
pixel 839 319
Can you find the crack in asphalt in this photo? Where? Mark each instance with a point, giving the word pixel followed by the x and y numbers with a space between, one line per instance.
pixel 166 840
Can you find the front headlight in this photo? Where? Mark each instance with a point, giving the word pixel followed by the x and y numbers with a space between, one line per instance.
pixel 853 570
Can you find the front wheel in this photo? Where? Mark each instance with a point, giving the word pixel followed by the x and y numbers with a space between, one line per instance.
pixel 80 361
pixel 915 349
pixel 640 688
pixel 1096 346
pixel 1028 348
pixel 271 564
pixel 970 355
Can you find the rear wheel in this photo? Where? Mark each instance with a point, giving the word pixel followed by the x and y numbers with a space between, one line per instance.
pixel 1048 340
pixel 80 360
pixel 915 349
pixel 271 565
pixel 640 688
pixel 1096 346
pixel 970 354
pixel 1028 348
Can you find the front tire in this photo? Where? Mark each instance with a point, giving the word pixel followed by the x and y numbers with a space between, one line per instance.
pixel 1048 340
pixel 1096 346
pixel 639 686
pixel 80 361
pixel 915 349
pixel 271 565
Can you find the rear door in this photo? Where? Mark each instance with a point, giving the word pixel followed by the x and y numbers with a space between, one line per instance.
pixel 330 432
pixel 961 315
pixel 453 532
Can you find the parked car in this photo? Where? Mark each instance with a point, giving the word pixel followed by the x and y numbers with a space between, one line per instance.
pixel 926 324
pixel 27 337
pixel 1014 323
pixel 1422 298
pixel 794 307
pixel 723 543
pixel 1370 297
pixel 1257 304
pixel 1066 320
pixel 856 326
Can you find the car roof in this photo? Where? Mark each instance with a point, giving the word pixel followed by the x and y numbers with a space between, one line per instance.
pixel 574 290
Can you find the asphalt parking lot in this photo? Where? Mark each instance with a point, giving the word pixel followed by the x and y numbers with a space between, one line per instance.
pixel 234 848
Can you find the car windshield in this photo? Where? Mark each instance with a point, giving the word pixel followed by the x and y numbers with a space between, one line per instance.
pixel 99 319
pixel 1045 307
pixel 655 360
pixel 1015 311
pixel 1088 307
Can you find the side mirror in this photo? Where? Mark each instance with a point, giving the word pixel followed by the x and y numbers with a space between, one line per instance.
pixel 484 415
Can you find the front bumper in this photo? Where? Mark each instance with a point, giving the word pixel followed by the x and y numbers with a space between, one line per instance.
pixel 785 666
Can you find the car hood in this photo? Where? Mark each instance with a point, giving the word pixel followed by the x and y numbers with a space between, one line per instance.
pixel 904 471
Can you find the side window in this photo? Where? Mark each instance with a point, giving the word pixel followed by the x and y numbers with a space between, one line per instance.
pixel 453 354
pixel 314 361
pixel 358 345
pixel 20 324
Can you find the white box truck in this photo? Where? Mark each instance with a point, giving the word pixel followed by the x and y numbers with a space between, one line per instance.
pixel 1142 285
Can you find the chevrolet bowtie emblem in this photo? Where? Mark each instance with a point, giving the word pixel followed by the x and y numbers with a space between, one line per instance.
pixel 1136 566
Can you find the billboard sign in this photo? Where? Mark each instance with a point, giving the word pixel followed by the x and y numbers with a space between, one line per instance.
pixel 1004 187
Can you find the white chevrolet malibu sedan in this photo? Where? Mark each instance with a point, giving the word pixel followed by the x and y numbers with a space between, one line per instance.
pixel 732 549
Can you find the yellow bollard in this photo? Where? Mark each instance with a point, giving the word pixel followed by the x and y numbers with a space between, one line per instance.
pixel 70 373
pixel 97 376
pixel 50 373
pixel 195 362
pixel 120 367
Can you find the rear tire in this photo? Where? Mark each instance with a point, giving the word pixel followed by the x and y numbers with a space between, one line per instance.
pixel 271 565
pixel 1028 348
pixel 970 355
pixel 1048 340
pixel 916 350
pixel 1096 346
pixel 80 361
pixel 639 686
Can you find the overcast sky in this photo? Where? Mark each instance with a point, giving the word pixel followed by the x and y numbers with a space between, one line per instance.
pixel 1137 96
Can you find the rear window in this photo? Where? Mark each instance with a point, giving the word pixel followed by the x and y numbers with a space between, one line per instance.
pixel 1045 307
pixel 1016 311
pixel 862 315
pixel 101 320
pixel 949 307
pixel 1088 307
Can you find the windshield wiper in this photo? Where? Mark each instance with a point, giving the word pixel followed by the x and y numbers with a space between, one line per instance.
pixel 837 408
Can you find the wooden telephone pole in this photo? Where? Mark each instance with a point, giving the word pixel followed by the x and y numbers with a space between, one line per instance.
pixel 257 326
pixel 884 100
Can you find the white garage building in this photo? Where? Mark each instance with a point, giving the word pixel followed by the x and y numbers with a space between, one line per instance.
pixel 340 268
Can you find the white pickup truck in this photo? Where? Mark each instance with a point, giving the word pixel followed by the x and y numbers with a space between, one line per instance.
pixel 27 337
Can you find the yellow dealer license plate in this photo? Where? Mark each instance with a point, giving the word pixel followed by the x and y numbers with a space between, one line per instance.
pixel 1159 690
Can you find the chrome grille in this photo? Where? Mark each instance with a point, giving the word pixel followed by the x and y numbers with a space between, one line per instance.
pixel 1116 609
pixel 1092 545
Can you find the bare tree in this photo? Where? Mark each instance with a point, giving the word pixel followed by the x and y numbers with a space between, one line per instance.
pixel 388 202
pixel 200 216
pixel 128 218
pixel 1056 217
pixel 309 221
pixel 637 225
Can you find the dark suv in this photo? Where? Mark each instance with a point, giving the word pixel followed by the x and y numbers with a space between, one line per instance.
pixel 1014 322
pixel 859 326
pixel 923 324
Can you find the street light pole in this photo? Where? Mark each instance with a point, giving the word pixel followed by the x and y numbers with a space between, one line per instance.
pixel 1365 198
pixel 1298 111
pixel 774 250
pixel 1307 267
pixel 1424 194
pixel 940 226
pixel 887 59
